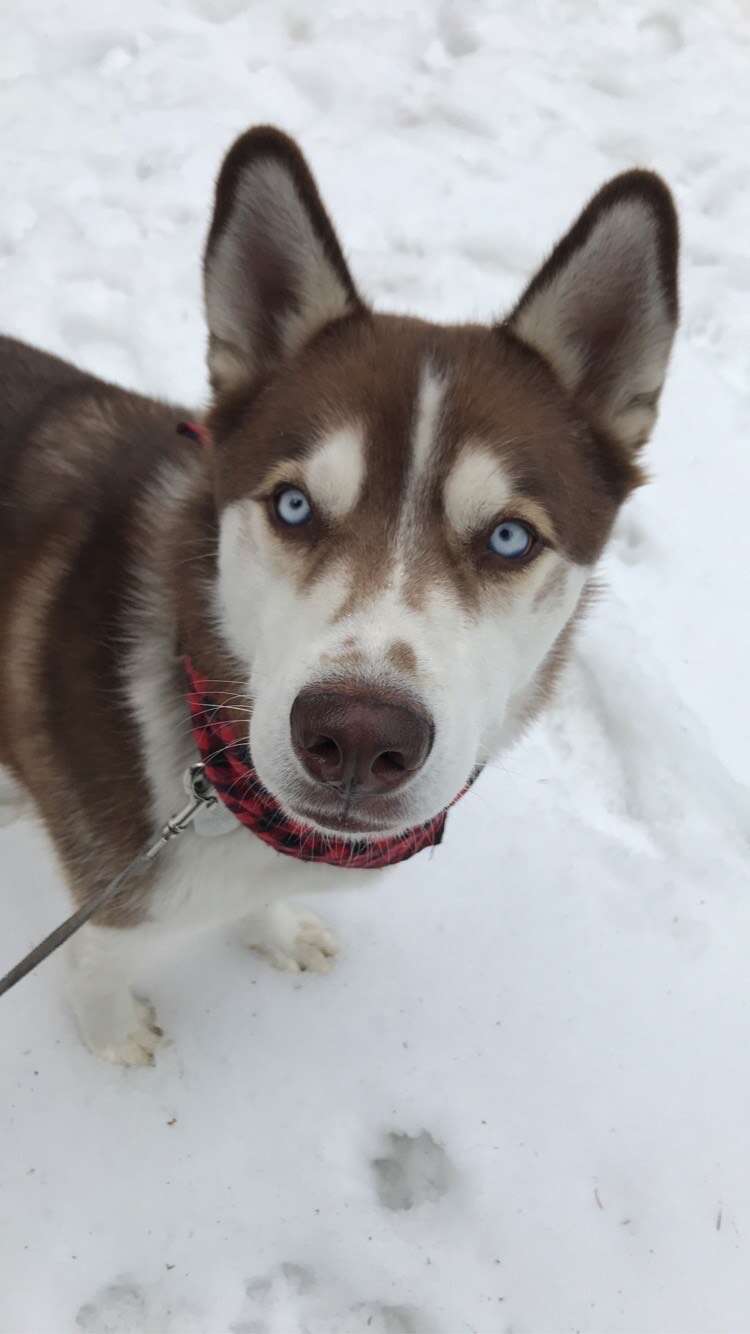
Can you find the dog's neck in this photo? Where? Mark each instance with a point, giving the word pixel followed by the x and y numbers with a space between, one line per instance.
pixel 192 576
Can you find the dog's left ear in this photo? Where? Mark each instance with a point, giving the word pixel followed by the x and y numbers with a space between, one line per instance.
pixel 274 272
pixel 603 309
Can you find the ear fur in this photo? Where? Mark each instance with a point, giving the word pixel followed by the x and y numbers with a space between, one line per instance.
pixel 603 309
pixel 274 272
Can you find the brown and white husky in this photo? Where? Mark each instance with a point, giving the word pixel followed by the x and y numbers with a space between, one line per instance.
pixel 374 568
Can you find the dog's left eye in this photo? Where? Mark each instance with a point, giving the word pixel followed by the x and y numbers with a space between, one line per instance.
pixel 512 539
pixel 292 506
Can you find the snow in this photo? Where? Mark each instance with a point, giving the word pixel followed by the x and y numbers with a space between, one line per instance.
pixel 520 1103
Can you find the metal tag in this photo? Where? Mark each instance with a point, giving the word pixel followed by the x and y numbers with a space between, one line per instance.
pixel 211 821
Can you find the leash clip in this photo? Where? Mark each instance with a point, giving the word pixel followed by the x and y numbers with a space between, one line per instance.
pixel 197 785
pixel 202 797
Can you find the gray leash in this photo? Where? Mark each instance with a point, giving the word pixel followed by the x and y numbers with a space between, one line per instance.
pixel 202 796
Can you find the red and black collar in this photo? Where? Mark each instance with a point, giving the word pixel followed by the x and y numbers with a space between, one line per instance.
pixel 228 766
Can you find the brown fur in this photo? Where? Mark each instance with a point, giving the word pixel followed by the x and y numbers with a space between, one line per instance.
pixel 402 656
pixel 76 455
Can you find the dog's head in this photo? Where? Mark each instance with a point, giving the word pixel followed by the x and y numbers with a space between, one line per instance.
pixel 409 514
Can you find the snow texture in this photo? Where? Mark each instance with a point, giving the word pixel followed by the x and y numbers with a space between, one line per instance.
pixel 519 1105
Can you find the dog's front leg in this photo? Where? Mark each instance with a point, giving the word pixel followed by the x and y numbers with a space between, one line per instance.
pixel 113 1022
pixel 294 938
pixel 237 879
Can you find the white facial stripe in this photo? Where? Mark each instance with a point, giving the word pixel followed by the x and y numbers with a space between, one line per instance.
pixel 476 489
pixel 429 406
pixel 334 472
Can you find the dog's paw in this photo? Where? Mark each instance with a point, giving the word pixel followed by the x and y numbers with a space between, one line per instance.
pixel 133 1042
pixel 295 942
pixel 311 949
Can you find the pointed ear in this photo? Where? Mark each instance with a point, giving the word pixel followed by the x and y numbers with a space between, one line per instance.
pixel 603 309
pixel 274 273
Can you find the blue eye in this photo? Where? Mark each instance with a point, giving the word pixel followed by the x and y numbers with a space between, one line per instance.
pixel 511 539
pixel 292 506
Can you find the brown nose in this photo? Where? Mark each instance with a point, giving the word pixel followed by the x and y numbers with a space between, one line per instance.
pixel 369 742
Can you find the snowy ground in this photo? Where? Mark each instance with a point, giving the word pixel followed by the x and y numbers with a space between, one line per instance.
pixel 521 1104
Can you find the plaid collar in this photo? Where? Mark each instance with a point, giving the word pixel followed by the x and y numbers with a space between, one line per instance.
pixel 229 768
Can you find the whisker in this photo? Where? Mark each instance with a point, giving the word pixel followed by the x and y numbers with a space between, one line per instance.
pixel 226 701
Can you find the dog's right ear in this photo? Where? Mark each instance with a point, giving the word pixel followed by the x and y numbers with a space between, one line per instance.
pixel 274 272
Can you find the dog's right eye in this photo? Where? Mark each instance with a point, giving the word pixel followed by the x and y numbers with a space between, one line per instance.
pixel 292 506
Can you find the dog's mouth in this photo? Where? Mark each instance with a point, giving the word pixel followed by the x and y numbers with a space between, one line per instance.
pixel 349 814
pixel 343 823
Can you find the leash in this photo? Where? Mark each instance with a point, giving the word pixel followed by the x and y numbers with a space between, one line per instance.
pixel 201 797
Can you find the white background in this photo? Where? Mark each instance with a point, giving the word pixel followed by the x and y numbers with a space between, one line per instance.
pixel 555 1006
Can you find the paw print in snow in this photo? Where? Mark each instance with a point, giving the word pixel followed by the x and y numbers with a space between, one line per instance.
pixel 413 1170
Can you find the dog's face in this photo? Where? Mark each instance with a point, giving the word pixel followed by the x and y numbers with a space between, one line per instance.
pixel 410 514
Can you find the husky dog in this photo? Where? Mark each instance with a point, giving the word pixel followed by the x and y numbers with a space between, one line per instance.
pixel 364 579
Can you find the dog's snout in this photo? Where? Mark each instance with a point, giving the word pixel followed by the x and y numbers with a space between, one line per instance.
pixel 367 742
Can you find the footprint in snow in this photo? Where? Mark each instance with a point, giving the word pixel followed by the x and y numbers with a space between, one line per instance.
pixel 287 1301
pixel 412 1170
pixel 119 1308
pixel 276 1302
pixel 127 1307
pixel 377 1318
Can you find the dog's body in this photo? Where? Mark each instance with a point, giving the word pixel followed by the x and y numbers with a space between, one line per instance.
pixel 377 566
